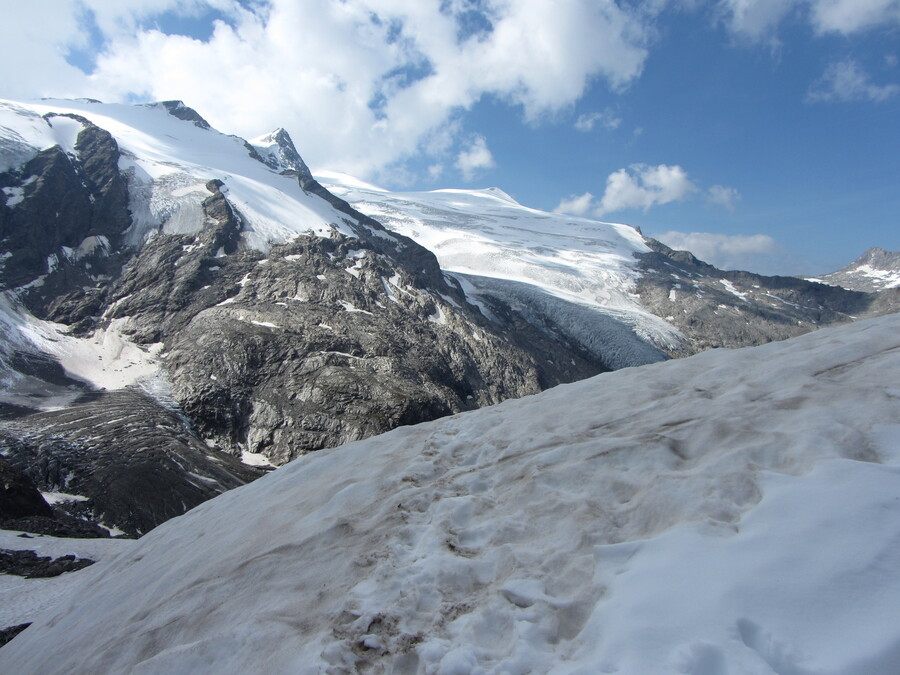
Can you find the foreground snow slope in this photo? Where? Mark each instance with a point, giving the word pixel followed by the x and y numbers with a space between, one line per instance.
pixel 487 233
pixel 733 512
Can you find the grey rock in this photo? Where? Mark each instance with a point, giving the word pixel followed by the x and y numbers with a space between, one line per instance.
pixel 8 633
pixel 717 308
pixel 875 270
pixel 137 463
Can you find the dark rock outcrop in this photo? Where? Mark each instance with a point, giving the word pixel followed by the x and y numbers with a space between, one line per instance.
pixel 8 633
pixel 136 463
pixel 30 565
pixel 19 498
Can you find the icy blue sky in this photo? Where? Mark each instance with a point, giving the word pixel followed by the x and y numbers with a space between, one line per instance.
pixel 762 134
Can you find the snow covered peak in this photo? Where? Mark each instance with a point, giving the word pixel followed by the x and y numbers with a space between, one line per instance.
pixel 168 163
pixel 733 512
pixel 181 111
pixel 277 151
pixel 493 192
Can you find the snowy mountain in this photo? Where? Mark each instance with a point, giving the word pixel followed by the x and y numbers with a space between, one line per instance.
pixel 734 511
pixel 604 286
pixel 163 280
pixel 874 270
pixel 175 300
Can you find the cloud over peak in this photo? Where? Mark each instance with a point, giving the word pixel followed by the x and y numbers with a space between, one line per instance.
pixel 474 158
pixel 383 77
pixel 637 187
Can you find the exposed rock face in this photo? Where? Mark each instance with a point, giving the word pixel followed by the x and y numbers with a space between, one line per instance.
pixel 875 270
pixel 19 498
pixel 137 463
pixel 322 342
pixel 716 308
pixel 283 350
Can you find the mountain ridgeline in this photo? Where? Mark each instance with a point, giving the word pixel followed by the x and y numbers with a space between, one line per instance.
pixel 176 300
pixel 275 345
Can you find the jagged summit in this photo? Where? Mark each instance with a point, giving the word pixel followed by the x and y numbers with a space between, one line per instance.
pixel 277 151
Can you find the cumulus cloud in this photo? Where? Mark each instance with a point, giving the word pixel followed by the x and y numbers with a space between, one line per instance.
pixel 476 157
pixel 757 19
pixel 848 81
pixel 758 252
pixel 361 84
pixel 721 195
pixel 576 205
pixel 849 16
pixel 607 119
pixel 641 187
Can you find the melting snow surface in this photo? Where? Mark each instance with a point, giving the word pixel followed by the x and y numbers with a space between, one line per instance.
pixel 22 599
pixel 733 512
pixel 107 359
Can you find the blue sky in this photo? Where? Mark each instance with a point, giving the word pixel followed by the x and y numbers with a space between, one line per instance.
pixel 760 134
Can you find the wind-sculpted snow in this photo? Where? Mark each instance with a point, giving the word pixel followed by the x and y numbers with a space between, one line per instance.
pixel 732 512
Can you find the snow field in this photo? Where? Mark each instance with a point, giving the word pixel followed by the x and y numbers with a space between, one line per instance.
pixel 734 512
pixel 487 233
pixel 21 600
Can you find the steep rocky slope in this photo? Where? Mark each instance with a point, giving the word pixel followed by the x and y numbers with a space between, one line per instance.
pixel 718 308
pixel 213 282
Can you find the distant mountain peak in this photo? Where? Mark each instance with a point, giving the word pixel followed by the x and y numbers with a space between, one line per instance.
pixel 876 269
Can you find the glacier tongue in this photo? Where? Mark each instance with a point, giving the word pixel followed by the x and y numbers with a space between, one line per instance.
pixel 735 511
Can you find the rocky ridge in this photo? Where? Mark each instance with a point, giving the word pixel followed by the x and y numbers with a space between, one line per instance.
pixel 875 270
pixel 273 349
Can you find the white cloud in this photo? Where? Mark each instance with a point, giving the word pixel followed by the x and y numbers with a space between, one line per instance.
pixel 576 205
pixel 754 19
pixel 475 158
pixel 641 187
pixel 637 187
pixel 360 84
pixel 758 19
pixel 758 252
pixel 607 119
pixel 847 81
pixel 848 16
pixel 723 196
